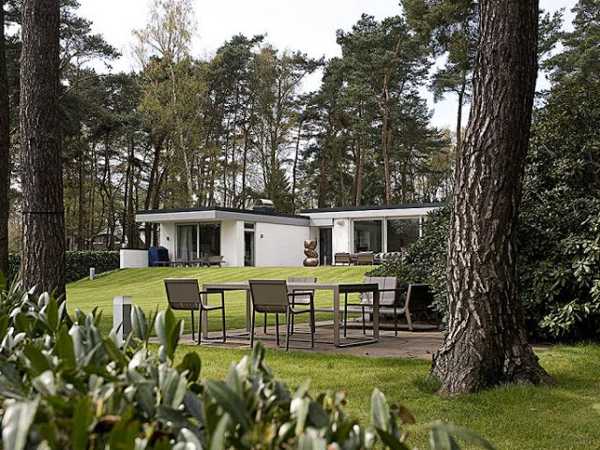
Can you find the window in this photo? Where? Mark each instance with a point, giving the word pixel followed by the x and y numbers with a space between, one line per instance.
pixel 401 233
pixel 367 236
pixel 210 239
pixel 187 242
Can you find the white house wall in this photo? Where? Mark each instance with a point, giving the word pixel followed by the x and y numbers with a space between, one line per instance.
pixel 279 245
pixel 341 236
pixel 167 237
pixel 232 242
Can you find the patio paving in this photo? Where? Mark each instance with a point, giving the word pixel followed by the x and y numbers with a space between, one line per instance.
pixel 419 344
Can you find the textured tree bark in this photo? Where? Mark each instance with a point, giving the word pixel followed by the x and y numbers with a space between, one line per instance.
pixel 486 343
pixel 43 215
pixel 4 150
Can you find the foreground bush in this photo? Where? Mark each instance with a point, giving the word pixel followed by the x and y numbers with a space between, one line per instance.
pixel 65 385
pixel 77 264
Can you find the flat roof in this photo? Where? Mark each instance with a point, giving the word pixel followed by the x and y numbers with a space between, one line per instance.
pixel 217 213
pixel 220 208
pixel 373 208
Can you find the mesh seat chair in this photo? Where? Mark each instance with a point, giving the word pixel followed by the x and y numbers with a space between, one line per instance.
pixel 184 294
pixel 303 297
pixel 389 302
pixel 272 297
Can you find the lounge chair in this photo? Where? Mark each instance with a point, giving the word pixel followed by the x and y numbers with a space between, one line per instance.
pixel 365 259
pixel 272 297
pixel 389 301
pixel 214 260
pixel 343 259
pixel 184 294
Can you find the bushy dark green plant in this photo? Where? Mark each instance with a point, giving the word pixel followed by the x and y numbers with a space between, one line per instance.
pixel 77 264
pixel 65 385
pixel 425 259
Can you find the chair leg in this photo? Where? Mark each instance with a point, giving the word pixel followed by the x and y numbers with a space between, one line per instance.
pixel 200 325
pixel 193 337
pixel 223 316
pixel 395 321
pixel 312 316
pixel 364 324
pixel 287 334
pixel 223 324
pixel 345 314
pixel 312 327
pixel 252 328
pixel 277 328
pixel 409 320
pixel 265 323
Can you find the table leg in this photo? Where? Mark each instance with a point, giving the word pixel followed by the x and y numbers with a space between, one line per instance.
pixel 248 311
pixel 336 316
pixel 204 319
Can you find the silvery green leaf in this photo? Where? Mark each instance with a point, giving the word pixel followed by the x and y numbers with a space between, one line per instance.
pixel 311 440
pixel 45 383
pixel 18 417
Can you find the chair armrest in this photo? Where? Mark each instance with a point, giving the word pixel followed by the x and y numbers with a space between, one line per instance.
pixel 301 294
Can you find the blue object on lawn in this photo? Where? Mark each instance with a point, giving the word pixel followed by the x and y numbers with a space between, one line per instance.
pixel 158 256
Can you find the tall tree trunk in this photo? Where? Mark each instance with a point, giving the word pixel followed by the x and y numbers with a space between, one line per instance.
pixel 43 212
pixel 486 343
pixel 4 150
pixel 386 128
pixel 461 102
pixel 295 167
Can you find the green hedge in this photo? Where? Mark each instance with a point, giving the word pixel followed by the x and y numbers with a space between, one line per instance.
pixel 77 264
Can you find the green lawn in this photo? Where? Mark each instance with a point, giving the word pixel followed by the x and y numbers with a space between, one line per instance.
pixel 146 288
pixel 517 417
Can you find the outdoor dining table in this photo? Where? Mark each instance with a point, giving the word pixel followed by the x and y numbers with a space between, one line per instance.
pixel 335 288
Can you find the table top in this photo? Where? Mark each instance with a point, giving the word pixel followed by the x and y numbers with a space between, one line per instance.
pixel 320 285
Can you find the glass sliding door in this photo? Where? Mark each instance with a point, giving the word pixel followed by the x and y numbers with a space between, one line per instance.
pixel 209 235
pixel 325 246
pixel 249 244
pixel 187 242
pixel 367 236
pixel 401 233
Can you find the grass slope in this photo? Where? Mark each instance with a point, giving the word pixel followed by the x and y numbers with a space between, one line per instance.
pixel 516 417
pixel 146 288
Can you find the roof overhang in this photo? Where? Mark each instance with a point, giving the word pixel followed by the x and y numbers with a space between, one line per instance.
pixel 217 216
pixel 321 217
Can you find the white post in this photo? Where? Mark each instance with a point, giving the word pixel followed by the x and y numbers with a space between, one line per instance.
pixel 92 273
pixel 122 317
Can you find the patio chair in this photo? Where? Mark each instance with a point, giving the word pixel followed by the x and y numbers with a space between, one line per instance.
pixel 389 301
pixel 303 297
pixel 420 298
pixel 184 294
pixel 365 259
pixel 343 259
pixel 272 297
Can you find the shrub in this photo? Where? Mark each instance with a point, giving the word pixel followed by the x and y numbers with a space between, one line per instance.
pixel 77 264
pixel 65 385
pixel 558 265
pixel 425 259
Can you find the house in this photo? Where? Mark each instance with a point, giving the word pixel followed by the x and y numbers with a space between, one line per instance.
pixel 264 237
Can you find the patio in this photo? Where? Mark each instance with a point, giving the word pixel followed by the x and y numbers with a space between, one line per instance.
pixel 419 344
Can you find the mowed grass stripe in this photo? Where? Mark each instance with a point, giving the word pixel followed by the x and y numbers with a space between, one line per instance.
pixel 146 288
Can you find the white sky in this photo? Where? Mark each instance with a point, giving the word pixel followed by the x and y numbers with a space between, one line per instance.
pixel 307 25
